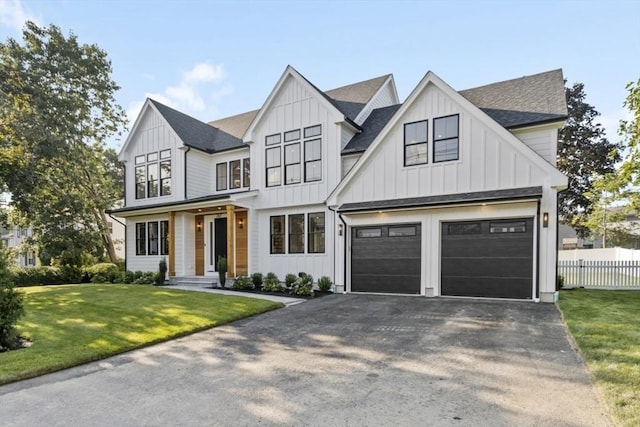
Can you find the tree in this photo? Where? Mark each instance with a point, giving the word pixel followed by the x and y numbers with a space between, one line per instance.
pixel 57 110
pixel 584 153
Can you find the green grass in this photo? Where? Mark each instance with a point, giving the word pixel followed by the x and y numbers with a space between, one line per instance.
pixel 606 326
pixel 74 324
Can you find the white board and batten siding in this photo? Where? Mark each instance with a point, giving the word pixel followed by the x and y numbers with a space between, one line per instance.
pixel 153 134
pixel 486 160
pixel 185 244
pixel 296 107
pixel 541 139
pixel 385 97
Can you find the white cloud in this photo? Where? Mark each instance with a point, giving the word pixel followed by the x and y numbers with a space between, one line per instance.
pixel 189 94
pixel 14 15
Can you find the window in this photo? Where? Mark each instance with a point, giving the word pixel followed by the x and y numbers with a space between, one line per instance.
pixel 273 166
pixel 153 178
pixel 445 138
pixel 365 233
pixel 272 139
pixel 152 230
pixel 508 227
pixel 221 176
pixel 235 175
pixel 141 185
pixel 152 238
pixel 464 228
pixel 292 163
pixel 402 231
pixel 277 234
pixel 296 234
pixel 246 172
pixel 141 238
pixel 292 135
pixel 312 131
pixel 415 143
pixel 313 160
pixel 316 233
pixel 164 237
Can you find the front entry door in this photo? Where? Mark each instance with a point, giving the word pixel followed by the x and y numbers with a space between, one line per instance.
pixel 215 242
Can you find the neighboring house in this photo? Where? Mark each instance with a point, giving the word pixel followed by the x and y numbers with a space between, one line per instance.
pixel 448 193
pixel 13 239
pixel 622 230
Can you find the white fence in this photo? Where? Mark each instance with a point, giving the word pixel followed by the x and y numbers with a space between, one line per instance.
pixel 602 254
pixel 600 274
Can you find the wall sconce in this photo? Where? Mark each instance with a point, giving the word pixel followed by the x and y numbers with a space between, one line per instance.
pixel 545 219
pixel 199 226
pixel 241 223
pixel 339 229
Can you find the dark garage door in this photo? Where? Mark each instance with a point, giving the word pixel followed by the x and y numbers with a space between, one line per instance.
pixel 488 258
pixel 386 259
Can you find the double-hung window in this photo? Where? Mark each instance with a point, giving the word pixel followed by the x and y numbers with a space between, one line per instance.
pixel 415 143
pixel 277 234
pixel 296 234
pixel 246 172
pixel 152 238
pixel 141 238
pixel 445 138
pixel 165 172
pixel 292 163
pixel 273 166
pixel 313 154
pixel 235 175
pixel 221 176
pixel 316 233
pixel 153 174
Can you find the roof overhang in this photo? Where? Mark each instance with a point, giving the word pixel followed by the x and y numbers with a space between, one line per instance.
pixel 516 194
pixel 183 205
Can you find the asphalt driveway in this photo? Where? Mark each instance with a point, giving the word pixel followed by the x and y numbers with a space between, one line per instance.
pixel 336 361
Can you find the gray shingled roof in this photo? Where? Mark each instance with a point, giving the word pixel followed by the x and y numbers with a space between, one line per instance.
pixel 445 199
pixel 236 125
pixel 370 129
pixel 351 99
pixel 523 101
pixel 197 134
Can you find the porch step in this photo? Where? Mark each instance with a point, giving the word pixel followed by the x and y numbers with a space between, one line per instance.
pixel 195 281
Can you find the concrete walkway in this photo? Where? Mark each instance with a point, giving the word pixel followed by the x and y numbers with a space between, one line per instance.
pixel 341 360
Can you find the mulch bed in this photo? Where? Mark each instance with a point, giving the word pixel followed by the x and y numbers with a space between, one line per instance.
pixel 316 294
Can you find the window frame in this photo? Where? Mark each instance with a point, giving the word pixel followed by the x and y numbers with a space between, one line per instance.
pixel 312 236
pixel 275 235
pixel 141 238
pixel 286 165
pixel 232 178
pixel 457 138
pixel 273 138
pixel 153 240
pixel 246 172
pixel 164 237
pixel 416 143
pixel 165 180
pixel 221 177
pixel 309 161
pixel 293 234
pixel 276 167
pixel 141 181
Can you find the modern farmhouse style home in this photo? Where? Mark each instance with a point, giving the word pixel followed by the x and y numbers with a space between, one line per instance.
pixel 449 193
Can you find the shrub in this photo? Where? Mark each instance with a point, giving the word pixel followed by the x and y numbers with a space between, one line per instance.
pixel 272 283
pixel 146 278
pixel 221 266
pixel 242 283
pixel 303 286
pixel 290 279
pixel 162 272
pixel 560 282
pixel 107 271
pixel 257 279
pixel 36 276
pixel 70 274
pixel 324 284
pixel 11 309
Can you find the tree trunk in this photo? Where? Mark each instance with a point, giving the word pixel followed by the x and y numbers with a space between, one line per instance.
pixel 106 236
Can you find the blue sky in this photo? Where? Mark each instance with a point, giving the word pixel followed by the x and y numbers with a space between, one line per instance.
pixel 213 59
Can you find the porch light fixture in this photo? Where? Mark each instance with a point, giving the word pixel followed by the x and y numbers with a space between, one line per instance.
pixel 199 226
pixel 241 223
pixel 545 219
pixel 339 229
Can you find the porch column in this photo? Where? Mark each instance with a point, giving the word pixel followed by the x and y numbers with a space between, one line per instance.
pixel 231 238
pixel 172 244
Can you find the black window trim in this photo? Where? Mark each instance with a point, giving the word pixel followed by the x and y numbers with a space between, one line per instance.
pixel 230 171
pixel 322 233
pixel 266 139
pixel 306 162
pixel 290 233
pixel 282 234
pixel 292 164
pixel 268 168
pixel 405 145
pixel 219 186
pixel 445 139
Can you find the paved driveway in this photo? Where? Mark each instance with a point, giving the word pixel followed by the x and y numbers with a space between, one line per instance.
pixel 337 361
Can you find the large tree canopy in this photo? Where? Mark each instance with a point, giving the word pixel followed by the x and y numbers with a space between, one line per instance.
pixel 57 110
pixel 584 153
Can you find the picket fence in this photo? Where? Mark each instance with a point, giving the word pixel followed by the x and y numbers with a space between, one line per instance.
pixel 600 274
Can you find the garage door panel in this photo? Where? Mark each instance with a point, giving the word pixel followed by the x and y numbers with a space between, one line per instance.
pixel 383 263
pixel 488 287
pixel 485 266
pixel 492 258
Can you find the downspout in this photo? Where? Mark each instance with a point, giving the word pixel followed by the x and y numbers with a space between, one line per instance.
pixel 125 238
pixel 536 296
pixel 344 252
pixel 185 172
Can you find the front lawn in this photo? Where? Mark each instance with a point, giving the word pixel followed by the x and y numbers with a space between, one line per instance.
pixel 74 324
pixel 606 326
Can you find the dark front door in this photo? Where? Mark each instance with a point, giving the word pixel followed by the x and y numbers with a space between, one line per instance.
pixel 488 258
pixel 220 239
pixel 386 259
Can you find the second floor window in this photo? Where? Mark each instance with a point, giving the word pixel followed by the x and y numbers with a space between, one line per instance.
pixel 233 175
pixel 153 174
pixel 300 145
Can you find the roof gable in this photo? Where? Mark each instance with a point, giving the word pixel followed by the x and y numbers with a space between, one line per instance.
pixel 432 79
pixel 351 99
pixel 197 134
